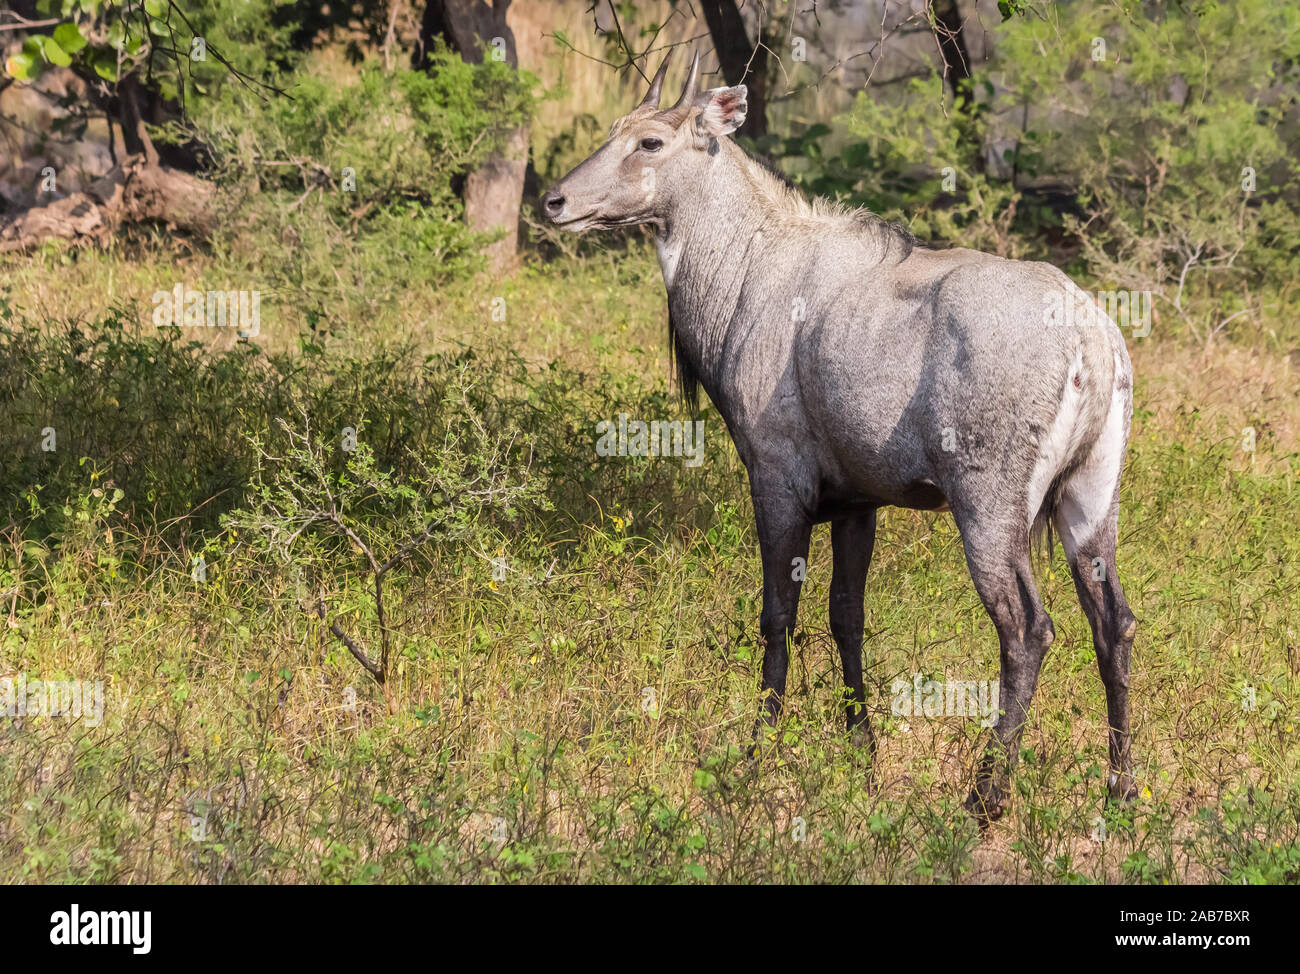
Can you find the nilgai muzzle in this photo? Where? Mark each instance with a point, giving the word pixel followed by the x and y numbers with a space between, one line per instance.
pixel 856 369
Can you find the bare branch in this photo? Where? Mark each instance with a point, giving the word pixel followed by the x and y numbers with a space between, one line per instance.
pixel 370 667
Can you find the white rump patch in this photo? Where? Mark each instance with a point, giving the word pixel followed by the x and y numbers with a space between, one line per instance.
pixel 1062 440
pixel 1090 492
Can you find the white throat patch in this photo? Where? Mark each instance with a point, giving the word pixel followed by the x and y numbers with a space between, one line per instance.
pixel 670 252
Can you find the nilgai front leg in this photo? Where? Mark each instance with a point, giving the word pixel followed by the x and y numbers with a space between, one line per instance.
pixel 852 540
pixel 783 532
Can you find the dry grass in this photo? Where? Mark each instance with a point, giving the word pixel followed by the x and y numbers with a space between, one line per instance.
pixel 521 704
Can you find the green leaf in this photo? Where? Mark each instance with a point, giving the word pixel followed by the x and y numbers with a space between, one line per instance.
pixel 20 66
pixel 53 53
pixel 69 38
pixel 35 551
pixel 105 65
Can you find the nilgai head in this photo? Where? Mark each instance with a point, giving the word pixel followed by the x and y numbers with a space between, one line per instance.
pixel 653 157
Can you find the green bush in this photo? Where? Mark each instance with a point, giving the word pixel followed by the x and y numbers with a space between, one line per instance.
pixel 183 432
pixel 352 185
pixel 1153 148
pixel 1196 99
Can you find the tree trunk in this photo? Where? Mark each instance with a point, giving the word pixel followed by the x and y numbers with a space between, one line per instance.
pixel 947 29
pixel 493 191
pixel 741 63
pixel 134 135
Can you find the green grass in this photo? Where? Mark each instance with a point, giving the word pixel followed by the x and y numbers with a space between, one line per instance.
pixel 520 742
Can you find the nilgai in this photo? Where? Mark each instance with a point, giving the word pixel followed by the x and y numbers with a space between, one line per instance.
pixel 855 369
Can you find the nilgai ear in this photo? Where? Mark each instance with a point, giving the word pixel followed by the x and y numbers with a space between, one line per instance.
pixel 722 111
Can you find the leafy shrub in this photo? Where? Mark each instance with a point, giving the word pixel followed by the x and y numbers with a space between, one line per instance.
pixel 1157 147
pixel 183 431
pixel 305 499
pixel 353 183
pixel 1196 97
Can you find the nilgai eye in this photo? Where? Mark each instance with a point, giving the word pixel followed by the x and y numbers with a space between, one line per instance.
pixel 652 145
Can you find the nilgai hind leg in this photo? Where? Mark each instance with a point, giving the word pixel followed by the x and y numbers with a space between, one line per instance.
pixel 1087 519
pixel 852 541
pixel 998 559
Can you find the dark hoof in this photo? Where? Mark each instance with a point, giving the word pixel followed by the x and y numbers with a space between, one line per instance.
pixel 860 737
pixel 1122 790
pixel 986 802
pixel 764 733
